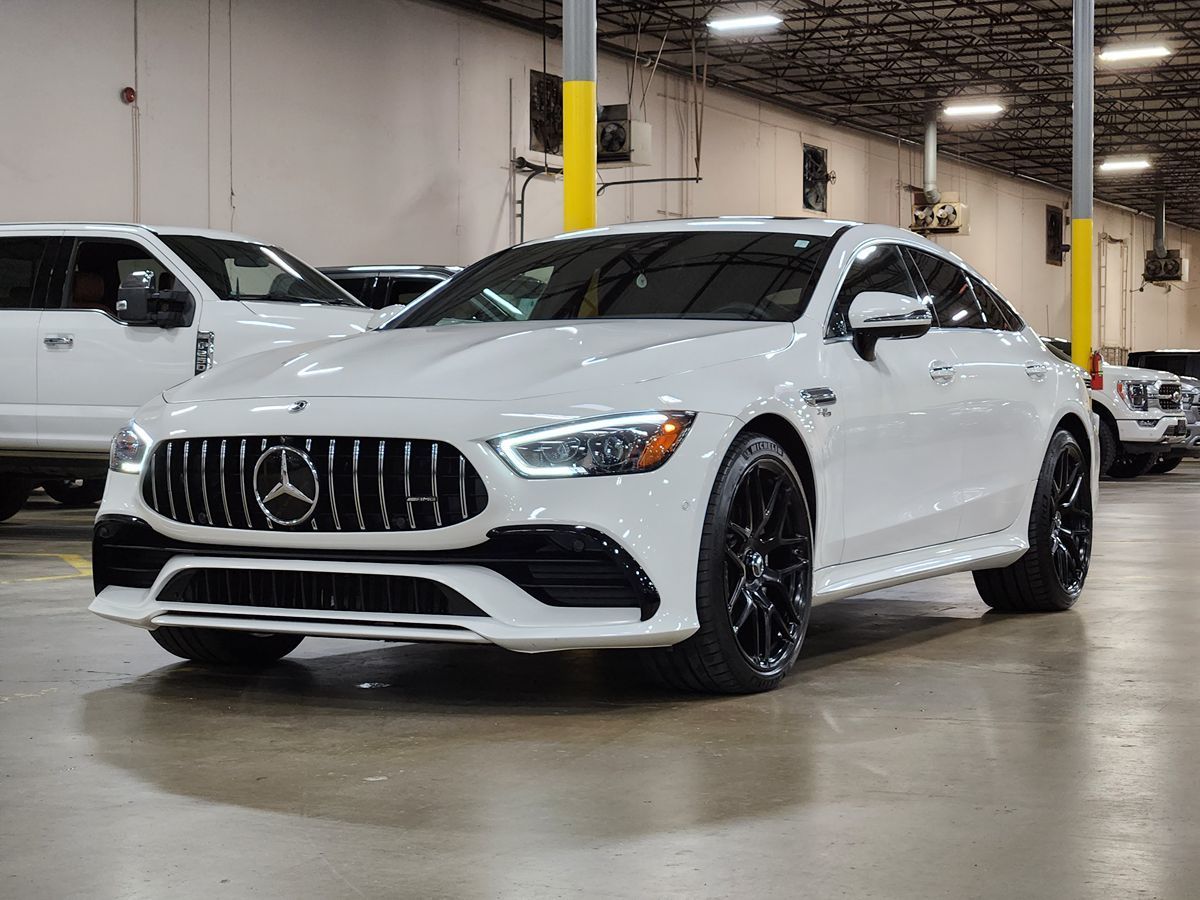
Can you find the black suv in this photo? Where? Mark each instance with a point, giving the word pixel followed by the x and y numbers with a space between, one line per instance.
pixel 380 286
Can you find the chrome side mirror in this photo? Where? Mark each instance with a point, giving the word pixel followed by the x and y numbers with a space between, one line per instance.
pixel 879 315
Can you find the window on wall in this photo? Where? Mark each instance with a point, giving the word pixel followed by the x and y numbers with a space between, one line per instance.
pixel 1054 235
pixel 879 267
pixel 816 178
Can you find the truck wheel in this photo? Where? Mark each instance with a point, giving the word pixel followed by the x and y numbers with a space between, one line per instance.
pixel 754 580
pixel 13 494
pixel 1132 465
pixel 1050 576
pixel 225 648
pixel 1108 447
pixel 1166 464
pixel 75 492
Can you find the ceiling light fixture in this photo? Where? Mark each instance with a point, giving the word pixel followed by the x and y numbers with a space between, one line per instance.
pixel 744 23
pixel 1127 54
pixel 961 110
pixel 1124 165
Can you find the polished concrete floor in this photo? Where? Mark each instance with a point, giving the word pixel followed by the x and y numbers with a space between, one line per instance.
pixel 922 748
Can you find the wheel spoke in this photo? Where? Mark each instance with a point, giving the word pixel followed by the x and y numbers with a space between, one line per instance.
pixel 764 631
pixel 769 508
pixel 750 607
pixel 738 590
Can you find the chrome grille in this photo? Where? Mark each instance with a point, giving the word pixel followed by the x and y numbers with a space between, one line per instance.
pixel 363 484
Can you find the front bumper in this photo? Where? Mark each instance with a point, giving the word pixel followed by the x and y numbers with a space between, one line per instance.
pixel 1148 434
pixel 1190 446
pixel 651 521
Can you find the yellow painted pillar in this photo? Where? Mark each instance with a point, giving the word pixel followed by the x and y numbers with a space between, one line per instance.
pixel 1082 269
pixel 1083 68
pixel 579 155
pixel 579 114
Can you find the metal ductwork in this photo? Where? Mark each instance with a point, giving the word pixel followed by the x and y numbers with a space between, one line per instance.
pixel 1163 265
pixel 1160 228
pixel 932 211
pixel 932 194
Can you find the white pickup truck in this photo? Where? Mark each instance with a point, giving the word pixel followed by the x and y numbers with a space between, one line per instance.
pixel 96 319
pixel 1141 416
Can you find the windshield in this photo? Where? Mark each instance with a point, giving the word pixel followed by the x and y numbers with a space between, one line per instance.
pixel 739 276
pixel 240 270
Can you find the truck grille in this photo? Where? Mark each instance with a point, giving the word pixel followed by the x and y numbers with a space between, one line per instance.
pixel 1169 397
pixel 290 483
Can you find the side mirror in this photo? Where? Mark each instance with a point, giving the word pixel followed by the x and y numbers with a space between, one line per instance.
pixel 138 303
pixel 384 316
pixel 878 315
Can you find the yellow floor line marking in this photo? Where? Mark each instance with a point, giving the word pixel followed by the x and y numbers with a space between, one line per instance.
pixel 49 578
pixel 80 564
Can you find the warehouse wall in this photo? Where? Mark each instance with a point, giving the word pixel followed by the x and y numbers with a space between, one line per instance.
pixel 380 130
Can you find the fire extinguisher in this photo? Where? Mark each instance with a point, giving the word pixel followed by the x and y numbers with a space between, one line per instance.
pixel 1097 371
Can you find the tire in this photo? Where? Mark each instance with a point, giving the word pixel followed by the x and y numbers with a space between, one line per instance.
pixel 75 493
pixel 1132 465
pixel 1109 448
pixel 216 647
pixel 1166 464
pixel 755 566
pixel 1051 574
pixel 13 494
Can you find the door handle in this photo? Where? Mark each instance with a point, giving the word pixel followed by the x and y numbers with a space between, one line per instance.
pixel 66 341
pixel 941 372
pixel 1036 370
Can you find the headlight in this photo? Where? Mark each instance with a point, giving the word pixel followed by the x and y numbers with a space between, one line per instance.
pixel 128 449
pixel 1134 394
pixel 613 445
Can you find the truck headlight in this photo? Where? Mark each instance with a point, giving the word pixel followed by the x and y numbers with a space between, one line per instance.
pixel 1134 394
pixel 128 449
pixel 612 445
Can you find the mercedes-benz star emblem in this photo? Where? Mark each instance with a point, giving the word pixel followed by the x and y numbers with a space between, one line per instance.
pixel 286 485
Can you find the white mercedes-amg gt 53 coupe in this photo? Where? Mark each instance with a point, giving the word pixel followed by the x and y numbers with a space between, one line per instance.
pixel 673 436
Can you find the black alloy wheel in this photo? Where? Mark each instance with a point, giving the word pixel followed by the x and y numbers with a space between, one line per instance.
pixel 1072 520
pixel 753 578
pixel 1132 465
pixel 1166 464
pixel 1050 575
pixel 767 551
pixel 75 493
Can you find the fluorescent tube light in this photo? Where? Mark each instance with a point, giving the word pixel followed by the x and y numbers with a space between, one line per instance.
pixel 1126 54
pixel 973 109
pixel 1124 165
pixel 744 23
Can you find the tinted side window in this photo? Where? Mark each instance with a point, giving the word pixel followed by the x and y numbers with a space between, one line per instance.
pixel 353 284
pixel 996 311
pixel 879 267
pixel 20 262
pixel 405 290
pixel 953 299
pixel 99 268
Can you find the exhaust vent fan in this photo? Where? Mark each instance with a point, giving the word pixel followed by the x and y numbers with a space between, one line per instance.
pixel 620 140
pixel 947 216
pixel 1171 267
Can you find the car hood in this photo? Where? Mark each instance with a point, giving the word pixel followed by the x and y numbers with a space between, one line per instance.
pixel 296 322
pixel 487 362
pixel 1130 373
